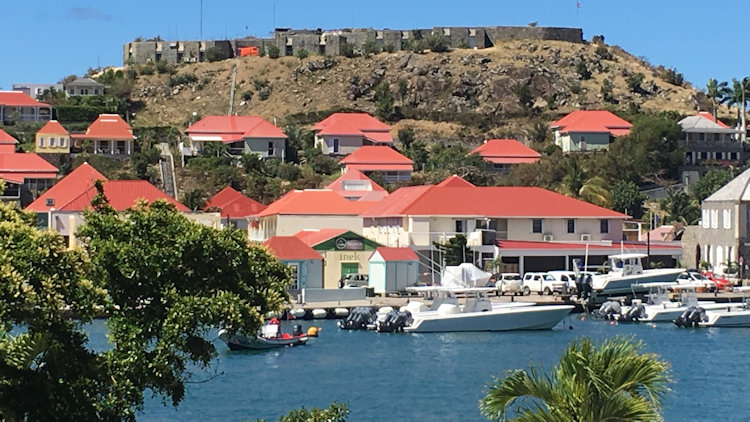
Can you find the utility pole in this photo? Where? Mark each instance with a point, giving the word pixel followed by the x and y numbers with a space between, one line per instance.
pixel 231 92
pixel 201 27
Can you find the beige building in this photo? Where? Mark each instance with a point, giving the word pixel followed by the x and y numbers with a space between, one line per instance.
pixel 344 252
pixel 53 138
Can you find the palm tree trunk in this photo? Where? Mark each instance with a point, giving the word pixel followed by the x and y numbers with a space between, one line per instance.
pixel 743 135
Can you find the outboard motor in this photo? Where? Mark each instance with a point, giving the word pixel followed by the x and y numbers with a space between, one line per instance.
pixel 297 330
pixel 610 310
pixel 691 317
pixel 583 286
pixel 635 313
pixel 395 321
pixel 359 318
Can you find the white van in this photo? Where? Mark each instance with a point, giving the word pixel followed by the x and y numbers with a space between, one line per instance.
pixel 542 283
pixel 567 277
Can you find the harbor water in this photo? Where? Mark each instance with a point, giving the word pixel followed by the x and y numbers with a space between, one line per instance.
pixel 421 377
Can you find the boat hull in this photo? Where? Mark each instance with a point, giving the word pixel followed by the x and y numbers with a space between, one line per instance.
pixel 509 319
pixel 738 318
pixel 240 342
pixel 608 285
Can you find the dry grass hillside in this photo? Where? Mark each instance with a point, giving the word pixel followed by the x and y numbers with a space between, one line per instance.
pixel 462 94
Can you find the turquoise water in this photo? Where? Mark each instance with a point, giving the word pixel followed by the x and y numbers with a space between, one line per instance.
pixel 424 377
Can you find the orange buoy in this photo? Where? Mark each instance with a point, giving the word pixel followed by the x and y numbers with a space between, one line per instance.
pixel 312 332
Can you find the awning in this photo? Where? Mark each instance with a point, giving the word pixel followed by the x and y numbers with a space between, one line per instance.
pixel 380 137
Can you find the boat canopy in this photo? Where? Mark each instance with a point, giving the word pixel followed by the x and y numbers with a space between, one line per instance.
pixel 464 275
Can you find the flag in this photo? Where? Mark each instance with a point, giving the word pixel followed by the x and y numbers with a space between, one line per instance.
pixel 578 4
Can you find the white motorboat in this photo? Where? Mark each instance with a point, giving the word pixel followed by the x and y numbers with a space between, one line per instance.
pixel 477 313
pixel 625 271
pixel 729 316
pixel 270 337
pixel 660 308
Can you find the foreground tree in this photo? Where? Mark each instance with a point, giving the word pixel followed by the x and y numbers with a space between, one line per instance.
pixel 718 93
pixel 615 381
pixel 711 182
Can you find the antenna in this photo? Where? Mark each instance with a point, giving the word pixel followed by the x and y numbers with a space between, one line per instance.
pixel 201 37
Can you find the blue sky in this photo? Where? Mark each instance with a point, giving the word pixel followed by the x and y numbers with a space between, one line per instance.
pixel 45 40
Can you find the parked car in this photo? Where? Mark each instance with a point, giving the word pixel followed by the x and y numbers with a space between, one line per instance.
pixel 541 283
pixel 509 283
pixel 721 282
pixel 567 277
pixel 695 278
pixel 354 280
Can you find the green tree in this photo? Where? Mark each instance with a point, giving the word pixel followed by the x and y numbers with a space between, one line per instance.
pixel 649 152
pixel 583 72
pixel 615 381
pixel 634 82
pixel 681 207
pixel 273 51
pixel 169 283
pixel 627 198
pixel 607 91
pixel 384 101
pixel 454 251
pixel 711 182
pixel 302 54
pixel 195 199
pixel 718 93
pixel 523 93
pixel 436 43
pixel 370 47
pixel 336 412
pixel 540 131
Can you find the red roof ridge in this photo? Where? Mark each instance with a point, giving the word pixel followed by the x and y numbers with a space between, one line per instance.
pixel 455 181
pixel 54 127
pixel 5 138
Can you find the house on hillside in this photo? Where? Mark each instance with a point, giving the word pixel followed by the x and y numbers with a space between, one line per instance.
pixel 52 138
pixel 419 216
pixel 710 141
pixel 241 134
pixel 344 252
pixel 305 263
pixel 307 209
pixel 389 164
pixel 344 133
pixel 35 90
pixel 723 233
pixel 588 130
pixel 61 207
pixel 501 154
pixel 109 134
pixel 234 207
pixel 16 106
pixel 84 87
pixel 26 175
pixel 355 186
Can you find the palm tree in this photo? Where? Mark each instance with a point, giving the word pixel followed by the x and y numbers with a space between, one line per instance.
pixel 718 92
pixel 615 381
pixel 739 95
pixel 595 190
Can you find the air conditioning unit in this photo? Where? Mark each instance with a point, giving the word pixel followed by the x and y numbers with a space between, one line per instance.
pixel 548 238
pixel 585 237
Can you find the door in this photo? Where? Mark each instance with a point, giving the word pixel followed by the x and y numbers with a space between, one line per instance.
pixel 349 268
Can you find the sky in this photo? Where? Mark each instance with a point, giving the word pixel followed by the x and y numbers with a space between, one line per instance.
pixel 42 41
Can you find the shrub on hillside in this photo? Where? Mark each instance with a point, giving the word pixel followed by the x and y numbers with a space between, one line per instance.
pixel 273 52
pixel 181 79
pixel 214 54
pixel 302 54
pixel 436 43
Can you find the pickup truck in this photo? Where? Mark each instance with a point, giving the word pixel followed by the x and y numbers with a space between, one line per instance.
pixel 542 283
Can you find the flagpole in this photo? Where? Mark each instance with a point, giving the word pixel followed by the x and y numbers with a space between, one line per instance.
pixel 578 6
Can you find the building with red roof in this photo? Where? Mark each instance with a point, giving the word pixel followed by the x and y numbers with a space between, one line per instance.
pixel 392 270
pixel 7 143
pixel 588 130
pixel 706 139
pixel 307 209
pixel 417 216
pixel 61 207
pixel 304 262
pixel 52 138
pixel 504 153
pixel 234 207
pixel 25 175
pixel 251 134
pixel 344 252
pixel 17 106
pixel 344 133
pixel 355 186
pixel 390 164
pixel 109 134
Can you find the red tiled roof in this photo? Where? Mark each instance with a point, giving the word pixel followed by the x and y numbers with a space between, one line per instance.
pixel 455 182
pixel 233 128
pixel 19 99
pixel 496 201
pixel 68 188
pixel 53 127
pixel 377 158
pixel 5 138
pixel 108 126
pixel 397 254
pixel 379 137
pixel 710 117
pixel 595 121
pixel 26 165
pixel 350 124
pixel 340 186
pixel 506 151
pixel 290 247
pixel 314 202
pixel 316 237
pixel 234 204
pixel 614 248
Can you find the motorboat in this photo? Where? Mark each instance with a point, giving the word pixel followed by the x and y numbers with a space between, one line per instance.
pixel 270 337
pixel 729 316
pixel 659 307
pixel 626 270
pixel 476 313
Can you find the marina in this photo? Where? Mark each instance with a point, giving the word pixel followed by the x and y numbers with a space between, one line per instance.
pixel 441 376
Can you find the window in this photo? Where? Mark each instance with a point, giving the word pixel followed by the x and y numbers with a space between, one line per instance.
pixel 604 226
pixel 714 219
pixel 459 226
pixel 571 225
pixel 96 91
pixel 726 218
pixel 270 149
pixel 705 219
pixel 536 225
pixel 41 141
pixel 335 146
pixel 61 142
pixel 295 276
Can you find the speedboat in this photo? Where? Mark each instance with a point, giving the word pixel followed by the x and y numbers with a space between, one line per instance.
pixel 729 316
pixel 660 308
pixel 627 271
pixel 477 313
pixel 270 337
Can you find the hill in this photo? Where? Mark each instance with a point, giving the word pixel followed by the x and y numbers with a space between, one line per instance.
pixel 462 94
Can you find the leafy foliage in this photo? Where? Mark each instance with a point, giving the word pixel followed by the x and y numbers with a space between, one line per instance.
pixel 627 198
pixel 273 51
pixel 302 54
pixel 336 412
pixel 383 101
pixel 634 82
pixel 455 250
pixel 681 208
pixel 614 381
pixel 195 199
pixel 711 182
